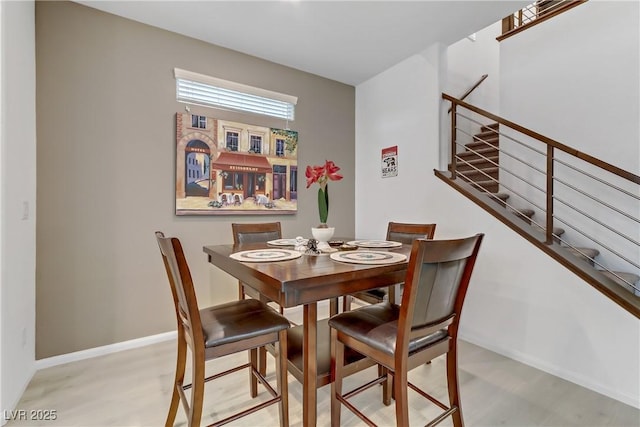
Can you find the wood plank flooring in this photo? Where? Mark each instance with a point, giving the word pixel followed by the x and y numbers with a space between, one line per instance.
pixel 132 388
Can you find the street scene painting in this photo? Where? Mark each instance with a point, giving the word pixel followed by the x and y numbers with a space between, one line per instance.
pixel 231 168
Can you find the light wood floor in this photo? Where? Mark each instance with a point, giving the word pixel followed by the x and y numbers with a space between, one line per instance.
pixel 131 388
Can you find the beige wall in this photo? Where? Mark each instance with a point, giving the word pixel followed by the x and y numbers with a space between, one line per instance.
pixel 105 171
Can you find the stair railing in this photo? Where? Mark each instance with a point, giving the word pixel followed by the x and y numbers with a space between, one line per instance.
pixel 535 13
pixel 597 201
pixel 472 88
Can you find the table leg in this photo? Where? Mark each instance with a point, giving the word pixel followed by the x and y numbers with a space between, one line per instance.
pixel 333 306
pixel 393 293
pixel 310 364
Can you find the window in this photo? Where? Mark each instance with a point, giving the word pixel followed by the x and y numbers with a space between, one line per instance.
pixel 260 178
pixel 232 141
pixel 232 180
pixel 199 89
pixel 280 147
pixel 255 144
pixel 227 178
pixel 293 186
pixel 198 121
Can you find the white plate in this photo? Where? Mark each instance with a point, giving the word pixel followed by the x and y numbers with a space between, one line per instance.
pixel 265 255
pixel 368 257
pixel 285 242
pixel 375 244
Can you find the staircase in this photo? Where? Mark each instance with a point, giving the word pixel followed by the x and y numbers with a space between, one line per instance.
pixel 479 162
pixel 476 172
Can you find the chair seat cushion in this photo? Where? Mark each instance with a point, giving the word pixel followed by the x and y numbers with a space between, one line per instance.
pixel 377 326
pixel 239 320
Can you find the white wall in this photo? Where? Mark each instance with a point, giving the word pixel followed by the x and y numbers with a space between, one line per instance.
pixel 586 79
pixel 467 61
pixel 581 87
pixel 521 303
pixel 391 113
pixel 18 186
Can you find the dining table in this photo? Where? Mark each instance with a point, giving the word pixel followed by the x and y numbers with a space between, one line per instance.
pixel 305 281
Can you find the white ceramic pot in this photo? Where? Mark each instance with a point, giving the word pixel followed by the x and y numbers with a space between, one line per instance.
pixel 322 235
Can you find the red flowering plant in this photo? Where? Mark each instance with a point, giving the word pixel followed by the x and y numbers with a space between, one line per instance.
pixel 322 175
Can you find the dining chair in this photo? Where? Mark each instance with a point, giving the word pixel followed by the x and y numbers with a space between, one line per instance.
pixel 218 331
pixel 398 232
pixel 254 233
pixel 403 337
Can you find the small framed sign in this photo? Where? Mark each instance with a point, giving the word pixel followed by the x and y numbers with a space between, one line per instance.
pixel 390 161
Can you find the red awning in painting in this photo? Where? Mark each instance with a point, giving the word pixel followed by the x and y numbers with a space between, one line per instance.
pixel 240 162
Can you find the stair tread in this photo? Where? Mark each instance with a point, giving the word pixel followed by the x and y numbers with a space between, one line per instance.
pixel 486 181
pixel 480 171
pixel 491 168
pixel 487 186
pixel 461 166
pixel 482 144
pixel 482 151
pixel 630 277
pixel 526 212
pixel 479 150
pixel 487 134
pixel 558 231
pixel 628 281
pixel 589 252
pixel 489 126
pixel 480 160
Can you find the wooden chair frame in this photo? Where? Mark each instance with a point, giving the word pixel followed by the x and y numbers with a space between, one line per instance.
pixel 441 328
pixel 191 336
pixel 400 232
pixel 263 232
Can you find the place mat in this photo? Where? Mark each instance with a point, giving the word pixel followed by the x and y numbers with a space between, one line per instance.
pixel 368 257
pixel 265 255
pixel 286 242
pixel 374 244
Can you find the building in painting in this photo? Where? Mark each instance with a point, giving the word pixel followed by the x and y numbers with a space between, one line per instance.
pixel 232 162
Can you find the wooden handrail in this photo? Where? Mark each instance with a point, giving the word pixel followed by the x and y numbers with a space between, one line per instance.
pixel 467 93
pixel 546 140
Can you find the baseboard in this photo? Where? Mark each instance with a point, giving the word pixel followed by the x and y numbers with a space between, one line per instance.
pixel 103 350
pixel 556 371
pixel 116 347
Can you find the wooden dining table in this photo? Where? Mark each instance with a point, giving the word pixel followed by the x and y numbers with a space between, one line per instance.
pixel 305 281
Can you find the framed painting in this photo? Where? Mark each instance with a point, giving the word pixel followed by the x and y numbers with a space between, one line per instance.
pixel 231 168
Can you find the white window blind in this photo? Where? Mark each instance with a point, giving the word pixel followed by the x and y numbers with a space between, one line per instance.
pixel 194 88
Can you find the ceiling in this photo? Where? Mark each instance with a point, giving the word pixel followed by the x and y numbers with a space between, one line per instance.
pixel 346 41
